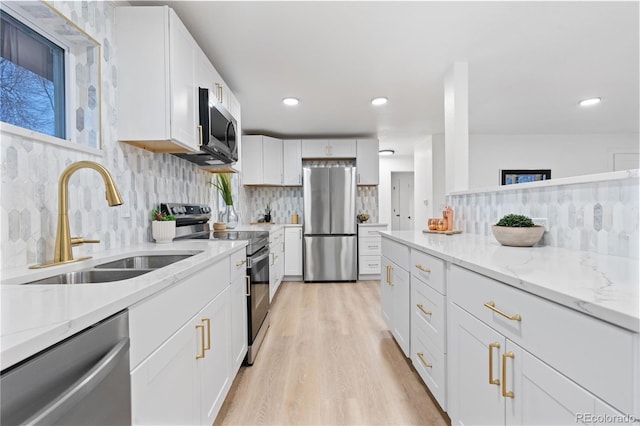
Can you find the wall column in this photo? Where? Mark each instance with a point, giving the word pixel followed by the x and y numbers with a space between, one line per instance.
pixel 456 127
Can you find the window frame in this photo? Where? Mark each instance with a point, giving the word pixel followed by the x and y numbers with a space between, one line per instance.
pixel 70 140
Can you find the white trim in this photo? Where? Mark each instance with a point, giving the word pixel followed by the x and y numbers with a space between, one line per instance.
pixel 598 177
pixel 52 140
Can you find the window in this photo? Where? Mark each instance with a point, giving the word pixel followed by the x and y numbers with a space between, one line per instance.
pixel 32 92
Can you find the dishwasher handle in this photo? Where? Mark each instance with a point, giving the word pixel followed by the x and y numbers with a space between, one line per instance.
pixel 82 387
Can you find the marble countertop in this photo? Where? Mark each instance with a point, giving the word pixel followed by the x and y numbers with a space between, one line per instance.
pixel 273 227
pixel 372 224
pixel 35 317
pixel 606 287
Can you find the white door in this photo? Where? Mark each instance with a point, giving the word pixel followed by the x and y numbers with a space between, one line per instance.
pixel 293 251
pixel 272 160
pixel 239 340
pixel 402 201
pixel 292 162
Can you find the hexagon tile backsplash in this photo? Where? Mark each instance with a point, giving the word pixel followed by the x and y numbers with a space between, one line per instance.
pixel 599 217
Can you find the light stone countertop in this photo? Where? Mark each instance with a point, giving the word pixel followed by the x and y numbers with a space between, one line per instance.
pixel 259 227
pixel 605 287
pixel 35 317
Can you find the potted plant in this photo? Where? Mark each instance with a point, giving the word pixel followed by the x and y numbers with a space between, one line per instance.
pixel 517 230
pixel 163 226
pixel 267 213
pixel 223 185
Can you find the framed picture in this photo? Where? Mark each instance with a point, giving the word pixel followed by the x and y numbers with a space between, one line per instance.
pixel 509 177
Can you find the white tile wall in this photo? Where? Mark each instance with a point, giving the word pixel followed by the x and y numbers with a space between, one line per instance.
pixel 600 217
pixel 30 171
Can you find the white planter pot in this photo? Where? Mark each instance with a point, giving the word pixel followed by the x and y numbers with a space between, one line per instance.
pixel 163 231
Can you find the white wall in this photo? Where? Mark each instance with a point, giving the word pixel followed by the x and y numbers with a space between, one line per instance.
pixel 388 165
pixel 423 182
pixel 565 155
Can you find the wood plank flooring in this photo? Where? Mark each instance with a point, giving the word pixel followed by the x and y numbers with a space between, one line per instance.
pixel 329 359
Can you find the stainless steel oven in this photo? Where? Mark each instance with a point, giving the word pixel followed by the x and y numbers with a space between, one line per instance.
pixel 258 300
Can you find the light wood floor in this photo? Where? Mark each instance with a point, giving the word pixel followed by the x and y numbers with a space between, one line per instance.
pixel 329 359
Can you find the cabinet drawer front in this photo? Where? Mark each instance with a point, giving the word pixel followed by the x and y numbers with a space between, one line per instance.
pixel 428 312
pixel 595 354
pixel 396 252
pixel 369 246
pixel 154 320
pixel 430 363
pixel 237 264
pixel 371 231
pixel 369 265
pixel 429 269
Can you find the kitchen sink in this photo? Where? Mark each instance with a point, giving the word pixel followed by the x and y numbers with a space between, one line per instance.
pixel 144 262
pixel 92 276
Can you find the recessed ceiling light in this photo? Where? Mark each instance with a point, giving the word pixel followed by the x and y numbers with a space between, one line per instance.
pixel 379 101
pixel 591 101
pixel 290 101
pixel 386 152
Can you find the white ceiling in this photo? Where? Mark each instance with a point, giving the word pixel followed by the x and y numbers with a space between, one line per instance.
pixel 529 64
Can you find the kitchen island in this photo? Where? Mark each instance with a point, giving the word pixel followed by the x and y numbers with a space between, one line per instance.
pixel 505 335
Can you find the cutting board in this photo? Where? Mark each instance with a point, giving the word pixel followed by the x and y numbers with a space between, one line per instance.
pixel 453 231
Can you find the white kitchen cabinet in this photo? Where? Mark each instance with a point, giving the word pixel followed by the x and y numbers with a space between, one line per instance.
pixel 185 342
pixel 276 265
pixel 292 162
pixel 515 358
pixel 293 252
pixel 367 162
pixel 157 82
pixel 369 250
pixel 262 160
pixel 328 148
pixel 395 292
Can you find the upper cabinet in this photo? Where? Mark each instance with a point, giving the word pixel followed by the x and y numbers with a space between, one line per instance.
pixel 328 148
pixel 292 162
pixel 157 60
pixel 262 160
pixel 367 162
pixel 160 69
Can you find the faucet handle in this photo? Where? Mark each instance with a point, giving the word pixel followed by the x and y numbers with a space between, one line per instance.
pixel 76 241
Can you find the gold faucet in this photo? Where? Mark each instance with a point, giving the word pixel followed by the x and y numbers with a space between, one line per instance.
pixel 64 242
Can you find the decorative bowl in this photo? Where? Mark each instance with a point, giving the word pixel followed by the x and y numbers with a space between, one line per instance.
pixel 363 217
pixel 517 237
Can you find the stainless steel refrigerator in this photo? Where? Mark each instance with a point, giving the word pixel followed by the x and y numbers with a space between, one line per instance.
pixel 330 241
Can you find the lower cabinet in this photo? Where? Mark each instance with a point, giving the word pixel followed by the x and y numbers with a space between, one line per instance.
pixel 276 263
pixel 186 379
pixel 515 358
pixel 187 344
pixel 395 295
pixel 293 252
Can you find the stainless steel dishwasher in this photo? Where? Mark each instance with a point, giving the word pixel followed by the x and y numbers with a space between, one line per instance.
pixel 83 380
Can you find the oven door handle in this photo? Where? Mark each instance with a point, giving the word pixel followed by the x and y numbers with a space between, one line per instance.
pixel 252 260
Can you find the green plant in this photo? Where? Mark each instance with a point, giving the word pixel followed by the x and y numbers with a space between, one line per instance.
pixel 267 209
pixel 161 216
pixel 515 221
pixel 223 184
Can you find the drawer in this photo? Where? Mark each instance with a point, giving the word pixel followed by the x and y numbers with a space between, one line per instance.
pixel 369 265
pixel 154 320
pixel 370 231
pixel 597 355
pixel 428 269
pixel 396 252
pixel 428 313
pixel 430 363
pixel 369 246
pixel 238 264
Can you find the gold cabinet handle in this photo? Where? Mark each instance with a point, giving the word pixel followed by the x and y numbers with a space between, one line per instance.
pixel 201 327
pixel 200 131
pixel 422 268
pixel 248 280
pixel 242 262
pixel 425 363
pixel 208 322
pixel 493 381
pixel 421 307
pixel 505 393
pixel 390 274
pixel 387 274
pixel 491 305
